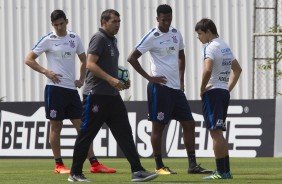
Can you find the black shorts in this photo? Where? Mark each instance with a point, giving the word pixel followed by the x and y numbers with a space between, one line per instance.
pixel 214 106
pixel 165 104
pixel 62 103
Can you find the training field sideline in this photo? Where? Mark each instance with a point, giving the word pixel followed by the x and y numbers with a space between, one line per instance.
pixel 40 171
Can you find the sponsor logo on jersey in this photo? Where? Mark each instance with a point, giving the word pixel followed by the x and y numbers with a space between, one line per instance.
pixel 174 30
pixel 225 50
pixel 165 42
pixel 66 55
pixel 223 79
pixel 72 35
pixel 58 44
pixel 226 62
pixel 225 73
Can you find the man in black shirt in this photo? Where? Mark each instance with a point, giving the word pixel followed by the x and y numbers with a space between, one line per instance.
pixel 103 103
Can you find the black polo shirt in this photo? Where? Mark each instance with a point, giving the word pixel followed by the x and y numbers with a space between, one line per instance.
pixel 106 48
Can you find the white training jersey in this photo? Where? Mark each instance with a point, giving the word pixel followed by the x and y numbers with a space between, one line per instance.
pixel 164 50
pixel 60 53
pixel 222 57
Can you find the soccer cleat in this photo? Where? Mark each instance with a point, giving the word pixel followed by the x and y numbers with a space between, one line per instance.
pixel 78 178
pixel 218 176
pixel 100 168
pixel 61 169
pixel 198 170
pixel 164 171
pixel 141 176
pixel 228 175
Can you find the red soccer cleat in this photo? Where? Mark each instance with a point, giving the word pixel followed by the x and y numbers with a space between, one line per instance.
pixel 61 169
pixel 96 167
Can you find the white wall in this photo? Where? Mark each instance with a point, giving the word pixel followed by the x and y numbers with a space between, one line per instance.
pixel 23 22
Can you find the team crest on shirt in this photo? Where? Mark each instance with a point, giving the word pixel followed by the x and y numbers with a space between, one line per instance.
pixel 53 36
pixel 95 108
pixel 160 116
pixel 53 113
pixel 72 45
pixel 72 35
pixel 156 34
pixel 174 39
pixel 174 30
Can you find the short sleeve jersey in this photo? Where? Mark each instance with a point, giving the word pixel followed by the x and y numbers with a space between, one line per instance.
pixel 60 53
pixel 164 50
pixel 222 57
pixel 105 47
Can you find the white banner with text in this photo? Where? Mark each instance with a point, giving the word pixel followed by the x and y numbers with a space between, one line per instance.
pixel 24 131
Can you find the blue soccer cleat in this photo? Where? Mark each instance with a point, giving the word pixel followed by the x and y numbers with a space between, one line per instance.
pixel 218 176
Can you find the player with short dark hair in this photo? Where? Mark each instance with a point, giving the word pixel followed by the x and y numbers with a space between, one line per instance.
pixel 166 98
pixel 62 100
pixel 58 14
pixel 220 75
pixel 102 102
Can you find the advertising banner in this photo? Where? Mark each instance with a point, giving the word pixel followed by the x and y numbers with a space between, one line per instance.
pixel 24 131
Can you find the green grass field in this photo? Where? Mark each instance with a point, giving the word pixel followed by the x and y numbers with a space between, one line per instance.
pixel 40 171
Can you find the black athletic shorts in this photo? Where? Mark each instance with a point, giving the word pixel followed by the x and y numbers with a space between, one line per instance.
pixel 166 103
pixel 214 106
pixel 62 103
